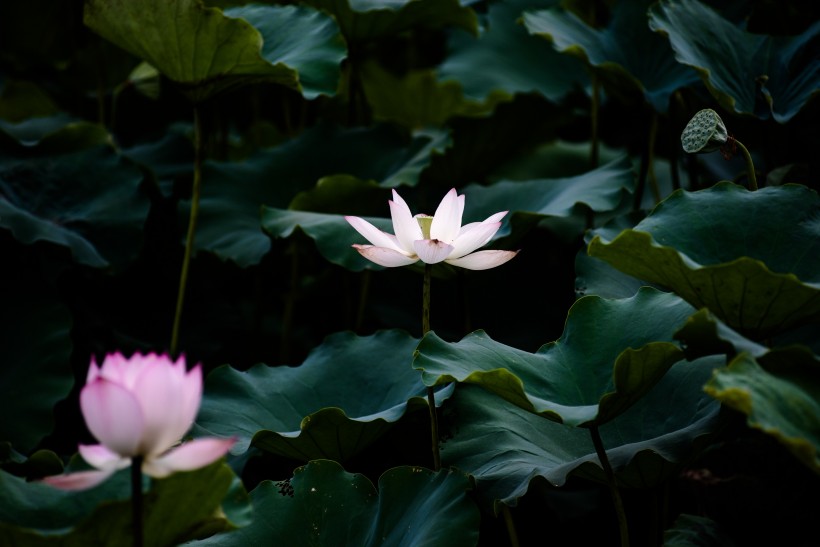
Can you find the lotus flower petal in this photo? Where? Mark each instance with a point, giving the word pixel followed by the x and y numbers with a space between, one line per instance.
pixel 188 456
pixel 102 458
pixel 483 260
pixel 384 256
pixel 160 391
pixel 373 234
pixel 432 251
pixel 406 227
pixel 447 219
pixel 113 415
pixel 471 239
pixel 82 480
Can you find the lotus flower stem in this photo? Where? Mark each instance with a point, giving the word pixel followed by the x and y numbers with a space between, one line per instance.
pixel 508 520
pixel 136 500
pixel 189 240
pixel 431 396
pixel 750 166
pixel 613 487
pixel 593 115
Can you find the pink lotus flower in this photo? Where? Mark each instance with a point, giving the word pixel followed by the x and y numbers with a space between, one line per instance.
pixel 432 239
pixel 141 407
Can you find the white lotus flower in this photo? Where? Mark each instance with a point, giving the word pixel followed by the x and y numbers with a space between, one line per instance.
pixel 440 238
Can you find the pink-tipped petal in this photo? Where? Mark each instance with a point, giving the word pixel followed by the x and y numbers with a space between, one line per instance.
pixel 406 227
pixel 191 398
pixel 82 480
pixel 385 257
pixel 102 458
pixel 432 251
pixel 373 234
pixel 483 260
pixel 472 239
pixel 113 415
pixel 447 218
pixel 188 456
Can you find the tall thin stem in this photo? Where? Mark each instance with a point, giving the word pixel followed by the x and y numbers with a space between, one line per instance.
pixel 137 501
pixel 613 487
pixel 750 166
pixel 189 240
pixel 651 176
pixel 508 520
pixel 431 397
pixel 594 109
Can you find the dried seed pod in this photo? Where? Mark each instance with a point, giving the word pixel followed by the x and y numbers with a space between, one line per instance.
pixel 705 132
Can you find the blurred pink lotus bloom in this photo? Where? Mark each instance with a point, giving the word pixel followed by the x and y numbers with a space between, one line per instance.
pixel 141 407
pixel 440 238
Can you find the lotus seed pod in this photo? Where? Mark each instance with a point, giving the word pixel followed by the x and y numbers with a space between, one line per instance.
pixel 705 132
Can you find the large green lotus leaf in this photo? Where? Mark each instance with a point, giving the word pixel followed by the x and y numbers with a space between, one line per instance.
pixel 348 391
pixel 626 49
pixel 301 38
pixel 367 20
pixel 206 51
pixel 233 192
pixel 57 134
pixel 35 334
pixel 323 505
pixel 705 334
pixel 728 249
pixel 610 354
pixel 416 99
pixel 780 394
pixel 748 73
pixel 505 447
pixel 333 234
pixel 695 531
pixel 89 202
pixel 520 63
pixel 567 200
pixel 177 509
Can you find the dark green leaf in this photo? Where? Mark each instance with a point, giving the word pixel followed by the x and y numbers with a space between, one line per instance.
pixel 626 51
pixel 99 220
pixel 342 397
pixel 505 448
pixel 781 397
pixel 695 531
pixel 759 276
pixel 323 505
pixel 35 334
pixel 748 73
pixel 520 63
pixel 610 354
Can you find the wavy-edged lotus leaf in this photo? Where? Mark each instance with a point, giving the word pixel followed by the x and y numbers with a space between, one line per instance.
pixel 348 391
pixel 301 38
pixel 705 334
pixel 206 51
pixel 233 192
pixel 559 202
pixel 415 99
pixel 767 76
pixel 780 394
pixel 610 354
pixel 325 505
pixel 333 235
pixel 35 333
pixel 367 20
pixel 626 51
pixel 521 63
pixel 57 134
pixel 505 447
pixel 759 277
pixel 177 509
pixel 696 531
pixel 89 202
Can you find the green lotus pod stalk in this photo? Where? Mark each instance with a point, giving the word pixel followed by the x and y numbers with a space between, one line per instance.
pixel 705 132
